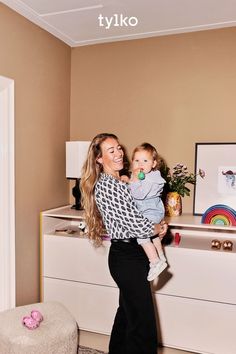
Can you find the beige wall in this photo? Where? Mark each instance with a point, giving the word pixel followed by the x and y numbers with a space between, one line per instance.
pixel 172 91
pixel 40 67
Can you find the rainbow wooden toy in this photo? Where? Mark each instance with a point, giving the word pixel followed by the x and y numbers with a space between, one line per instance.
pixel 219 214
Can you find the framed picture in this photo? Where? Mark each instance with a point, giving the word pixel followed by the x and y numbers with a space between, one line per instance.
pixel 218 161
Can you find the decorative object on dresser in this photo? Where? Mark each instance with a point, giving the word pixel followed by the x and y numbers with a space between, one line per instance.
pixel 219 185
pixel 219 214
pixel 173 204
pixel 176 186
pixel 76 152
pixel 197 285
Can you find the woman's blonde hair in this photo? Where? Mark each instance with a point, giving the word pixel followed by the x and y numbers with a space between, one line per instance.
pixel 90 174
pixel 152 150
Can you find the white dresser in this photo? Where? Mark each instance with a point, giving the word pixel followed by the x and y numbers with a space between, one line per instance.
pixel 195 296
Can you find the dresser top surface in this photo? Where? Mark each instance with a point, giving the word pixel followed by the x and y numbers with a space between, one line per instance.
pixel 64 211
pixel 193 221
pixel 183 221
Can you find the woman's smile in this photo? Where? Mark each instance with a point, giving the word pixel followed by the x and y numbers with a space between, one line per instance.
pixel 112 157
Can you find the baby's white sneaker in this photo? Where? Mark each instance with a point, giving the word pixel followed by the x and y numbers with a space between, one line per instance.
pixel 156 269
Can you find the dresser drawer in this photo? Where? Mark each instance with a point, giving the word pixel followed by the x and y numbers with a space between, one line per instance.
pixel 201 274
pixel 93 306
pixel 195 325
pixel 76 259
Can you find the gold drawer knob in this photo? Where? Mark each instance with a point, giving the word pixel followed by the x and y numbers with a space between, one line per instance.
pixel 227 245
pixel 216 244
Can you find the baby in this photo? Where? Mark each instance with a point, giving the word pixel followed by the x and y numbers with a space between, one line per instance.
pixel 146 185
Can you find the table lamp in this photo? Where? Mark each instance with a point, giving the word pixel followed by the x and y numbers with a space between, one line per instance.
pixel 76 153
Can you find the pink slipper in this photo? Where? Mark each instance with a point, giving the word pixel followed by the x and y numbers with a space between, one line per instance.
pixel 29 322
pixel 36 315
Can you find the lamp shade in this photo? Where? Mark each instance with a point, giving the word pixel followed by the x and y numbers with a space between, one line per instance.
pixel 76 153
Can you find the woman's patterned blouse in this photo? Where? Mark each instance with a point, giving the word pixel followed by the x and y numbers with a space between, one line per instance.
pixel 119 212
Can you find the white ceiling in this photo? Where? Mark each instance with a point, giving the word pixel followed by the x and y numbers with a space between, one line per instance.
pixel 76 21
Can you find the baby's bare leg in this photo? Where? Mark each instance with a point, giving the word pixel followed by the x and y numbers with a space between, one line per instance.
pixel 150 251
pixel 158 246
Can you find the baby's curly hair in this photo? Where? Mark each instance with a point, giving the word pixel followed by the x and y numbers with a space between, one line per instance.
pixel 152 150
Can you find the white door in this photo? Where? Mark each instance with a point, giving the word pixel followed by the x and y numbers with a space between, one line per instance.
pixel 7 195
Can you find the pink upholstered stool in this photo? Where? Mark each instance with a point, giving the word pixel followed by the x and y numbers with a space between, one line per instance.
pixel 56 334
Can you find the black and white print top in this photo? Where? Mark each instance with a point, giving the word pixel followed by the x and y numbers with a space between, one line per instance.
pixel 120 215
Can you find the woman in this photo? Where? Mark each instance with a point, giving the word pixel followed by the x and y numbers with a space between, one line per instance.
pixel 108 203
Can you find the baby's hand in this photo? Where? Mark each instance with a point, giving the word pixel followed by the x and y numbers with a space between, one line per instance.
pixel 135 174
pixel 124 178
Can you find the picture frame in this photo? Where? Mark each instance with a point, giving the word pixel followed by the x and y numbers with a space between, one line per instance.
pixel 218 161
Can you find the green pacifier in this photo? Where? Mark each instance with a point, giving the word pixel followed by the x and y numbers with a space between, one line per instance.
pixel 141 175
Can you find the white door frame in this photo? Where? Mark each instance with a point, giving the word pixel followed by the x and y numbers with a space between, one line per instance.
pixel 7 195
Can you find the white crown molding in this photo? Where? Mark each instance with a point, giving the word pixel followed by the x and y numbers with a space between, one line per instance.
pixel 40 20
pixel 32 16
pixel 172 31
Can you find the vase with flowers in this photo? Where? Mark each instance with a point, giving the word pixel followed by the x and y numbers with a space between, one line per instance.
pixel 176 186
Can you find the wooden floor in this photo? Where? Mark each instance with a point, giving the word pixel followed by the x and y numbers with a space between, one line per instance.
pixel 100 342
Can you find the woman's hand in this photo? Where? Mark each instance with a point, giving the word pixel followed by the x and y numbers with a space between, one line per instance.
pixel 161 229
pixel 124 178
